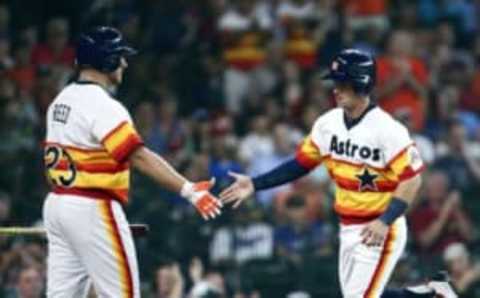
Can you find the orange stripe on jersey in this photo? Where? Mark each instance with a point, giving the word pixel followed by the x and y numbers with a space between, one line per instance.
pixel 122 141
pixel 122 151
pixel 104 167
pixel 335 162
pixel 308 154
pixel 88 172
pixel 354 185
pixel 113 233
pixel 401 164
pixel 398 155
pixel 346 212
pixel 360 207
pixel 379 273
pixel 90 193
pixel 96 180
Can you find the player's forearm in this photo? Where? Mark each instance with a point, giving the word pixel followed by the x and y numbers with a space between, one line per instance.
pixel 154 166
pixel 403 196
pixel 284 173
pixel 407 190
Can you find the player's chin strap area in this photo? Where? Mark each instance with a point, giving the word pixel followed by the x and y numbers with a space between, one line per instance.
pixel 395 209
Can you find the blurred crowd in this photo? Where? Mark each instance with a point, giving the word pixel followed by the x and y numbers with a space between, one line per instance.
pixel 234 85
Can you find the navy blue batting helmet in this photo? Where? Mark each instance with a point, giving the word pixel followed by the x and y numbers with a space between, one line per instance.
pixel 102 48
pixel 355 67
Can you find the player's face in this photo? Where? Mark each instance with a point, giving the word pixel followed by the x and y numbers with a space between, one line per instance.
pixel 345 97
pixel 116 77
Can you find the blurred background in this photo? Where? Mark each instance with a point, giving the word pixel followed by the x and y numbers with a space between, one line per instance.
pixel 234 85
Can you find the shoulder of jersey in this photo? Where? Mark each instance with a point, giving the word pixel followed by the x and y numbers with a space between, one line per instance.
pixel 385 121
pixel 90 90
pixel 327 117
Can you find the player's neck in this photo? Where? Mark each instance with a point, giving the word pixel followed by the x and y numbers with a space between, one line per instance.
pixel 94 76
pixel 358 110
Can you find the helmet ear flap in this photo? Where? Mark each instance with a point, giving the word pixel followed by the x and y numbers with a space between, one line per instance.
pixel 111 63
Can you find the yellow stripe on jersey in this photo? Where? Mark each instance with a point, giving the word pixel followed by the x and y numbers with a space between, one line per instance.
pixel 354 204
pixel 92 172
pixel 119 180
pixel 121 141
pixel 363 191
pixel 308 154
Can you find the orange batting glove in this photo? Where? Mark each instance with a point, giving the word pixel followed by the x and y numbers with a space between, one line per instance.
pixel 199 195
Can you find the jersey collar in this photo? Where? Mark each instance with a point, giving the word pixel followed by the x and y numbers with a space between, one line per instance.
pixel 350 123
pixel 87 82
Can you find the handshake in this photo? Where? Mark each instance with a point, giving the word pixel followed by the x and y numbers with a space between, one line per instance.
pixel 210 206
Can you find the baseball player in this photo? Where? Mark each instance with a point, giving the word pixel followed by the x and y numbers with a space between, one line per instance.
pixel 376 169
pixel 90 144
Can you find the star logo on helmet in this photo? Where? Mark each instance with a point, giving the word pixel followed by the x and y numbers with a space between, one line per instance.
pixel 335 65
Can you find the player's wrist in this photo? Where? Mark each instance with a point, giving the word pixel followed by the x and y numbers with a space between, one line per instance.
pixel 395 209
pixel 188 190
pixel 194 191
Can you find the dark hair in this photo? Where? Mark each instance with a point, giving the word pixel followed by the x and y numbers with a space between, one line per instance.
pixel 295 201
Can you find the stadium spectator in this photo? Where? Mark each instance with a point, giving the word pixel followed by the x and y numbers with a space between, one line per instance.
pixel 402 78
pixel 169 282
pixel 223 160
pixel 442 219
pixel 29 284
pixel 459 157
pixel 168 136
pixel 23 72
pixel 6 61
pixel 245 28
pixel 210 284
pixel 368 13
pixel 283 149
pixel 424 144
pixel 56 50
pixel 248 238
pixel 300 24
pixel 5 209
pixel 258 141
pixel 300 237
pixel 463 269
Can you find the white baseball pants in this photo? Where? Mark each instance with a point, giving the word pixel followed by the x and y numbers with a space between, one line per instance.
pixel 364 271
pixel 89 242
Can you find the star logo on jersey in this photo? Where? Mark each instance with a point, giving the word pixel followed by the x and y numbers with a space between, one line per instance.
pixel 367 181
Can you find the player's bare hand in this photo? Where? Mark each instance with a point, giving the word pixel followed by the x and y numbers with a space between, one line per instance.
pixel 239 191
pixel 374 233
pixel 199 195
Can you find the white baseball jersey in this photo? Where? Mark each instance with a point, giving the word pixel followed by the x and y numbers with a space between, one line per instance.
pixel 367 159
pixel 90 136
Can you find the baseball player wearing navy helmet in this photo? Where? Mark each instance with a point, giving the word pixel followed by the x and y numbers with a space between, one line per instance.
pixel 90 144
pixel 376 167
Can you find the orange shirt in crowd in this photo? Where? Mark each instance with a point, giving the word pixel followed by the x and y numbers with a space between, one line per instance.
pixel 24 77
pixel 300 46
pixel 246 52
pixel 404 98
pixel 470 98
pixel 365 7
pixel 43 54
